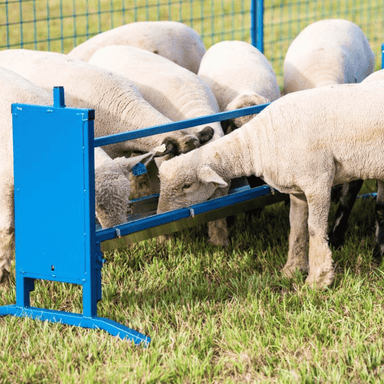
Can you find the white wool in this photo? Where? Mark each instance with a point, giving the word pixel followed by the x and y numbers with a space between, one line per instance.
pixel 112 188
pixel 302 144
pixel 118 105
pixel 173 40
pixel 375 76
pixel 173 90
pixel 327 52
pixel 239 76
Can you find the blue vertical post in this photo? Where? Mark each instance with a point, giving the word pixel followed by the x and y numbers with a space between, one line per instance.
pixel 382 56
pixel 257 24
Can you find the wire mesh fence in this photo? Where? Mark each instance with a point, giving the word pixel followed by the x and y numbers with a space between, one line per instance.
pixel 60 25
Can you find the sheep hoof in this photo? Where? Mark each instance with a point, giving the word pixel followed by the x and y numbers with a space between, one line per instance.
pixel 219 242
pixel 320 280
pixel 4 276
pixel 290 270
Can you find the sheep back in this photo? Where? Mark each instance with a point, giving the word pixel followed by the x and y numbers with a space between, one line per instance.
pixel 327 52
pixel 118 105
pixel 233 69
pixel 173 90
pixel 173 40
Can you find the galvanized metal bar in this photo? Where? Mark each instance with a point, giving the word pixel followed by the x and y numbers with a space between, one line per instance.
pixel 118 138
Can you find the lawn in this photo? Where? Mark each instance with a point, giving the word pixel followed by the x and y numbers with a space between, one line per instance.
pixel 214 315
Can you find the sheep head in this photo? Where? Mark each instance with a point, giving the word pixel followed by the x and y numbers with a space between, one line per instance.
pixel 184 182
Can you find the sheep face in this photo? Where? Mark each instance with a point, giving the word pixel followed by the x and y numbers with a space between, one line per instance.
pixel 184 183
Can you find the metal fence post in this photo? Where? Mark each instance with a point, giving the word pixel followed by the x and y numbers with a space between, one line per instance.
pixel 257 24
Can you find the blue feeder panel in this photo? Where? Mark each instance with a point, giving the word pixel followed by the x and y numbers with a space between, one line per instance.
pixel 54 189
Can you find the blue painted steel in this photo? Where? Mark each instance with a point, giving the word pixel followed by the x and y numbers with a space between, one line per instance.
pixel 382 56
pixel 54 165
pixel 182 213
pixel 78 320
pixel 257 24
pixel 113 139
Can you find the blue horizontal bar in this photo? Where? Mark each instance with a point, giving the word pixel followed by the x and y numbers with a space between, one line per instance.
pixel 182 213
pixel 130 135
pixel 76 319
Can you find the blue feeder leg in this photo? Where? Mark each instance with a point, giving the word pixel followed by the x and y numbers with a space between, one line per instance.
pixel 75 319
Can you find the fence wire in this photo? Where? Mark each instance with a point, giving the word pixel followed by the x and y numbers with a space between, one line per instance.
pixel 60 25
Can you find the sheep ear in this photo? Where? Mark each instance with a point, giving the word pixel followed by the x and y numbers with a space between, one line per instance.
pixel 207 175
pixel 205 134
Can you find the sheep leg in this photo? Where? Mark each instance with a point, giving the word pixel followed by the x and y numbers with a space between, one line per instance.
pixel 347 199
pixel 321 272
pixel 298 236
pixel 218 229
pixel 379 212
pixel 218 232
pixel 7 231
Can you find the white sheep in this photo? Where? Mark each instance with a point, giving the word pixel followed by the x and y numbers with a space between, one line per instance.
pixel 173 90
pixel 117 104
pixel 302 144
pixel 173 40
pixel 375 76
pixel 348 193
pixel 327 52
pixel 239 76
pixel 330 52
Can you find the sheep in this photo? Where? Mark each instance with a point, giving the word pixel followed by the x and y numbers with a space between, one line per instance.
pixel 173 40
pixel 347 197
pixel 239 76
pixel 301 144
pixel 118 105
pixel 375 76
pixel 112 186
pixel 330 52
pixel 327 52
pixel 173 90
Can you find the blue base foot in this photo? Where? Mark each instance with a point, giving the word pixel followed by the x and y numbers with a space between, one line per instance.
pixel 78 320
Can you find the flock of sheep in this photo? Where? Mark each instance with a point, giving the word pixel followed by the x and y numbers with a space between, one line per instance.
pixel 320 133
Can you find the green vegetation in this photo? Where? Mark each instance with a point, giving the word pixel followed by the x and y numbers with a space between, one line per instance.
pixel 214 315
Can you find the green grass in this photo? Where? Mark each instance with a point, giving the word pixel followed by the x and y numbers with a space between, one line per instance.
pixel 214 315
